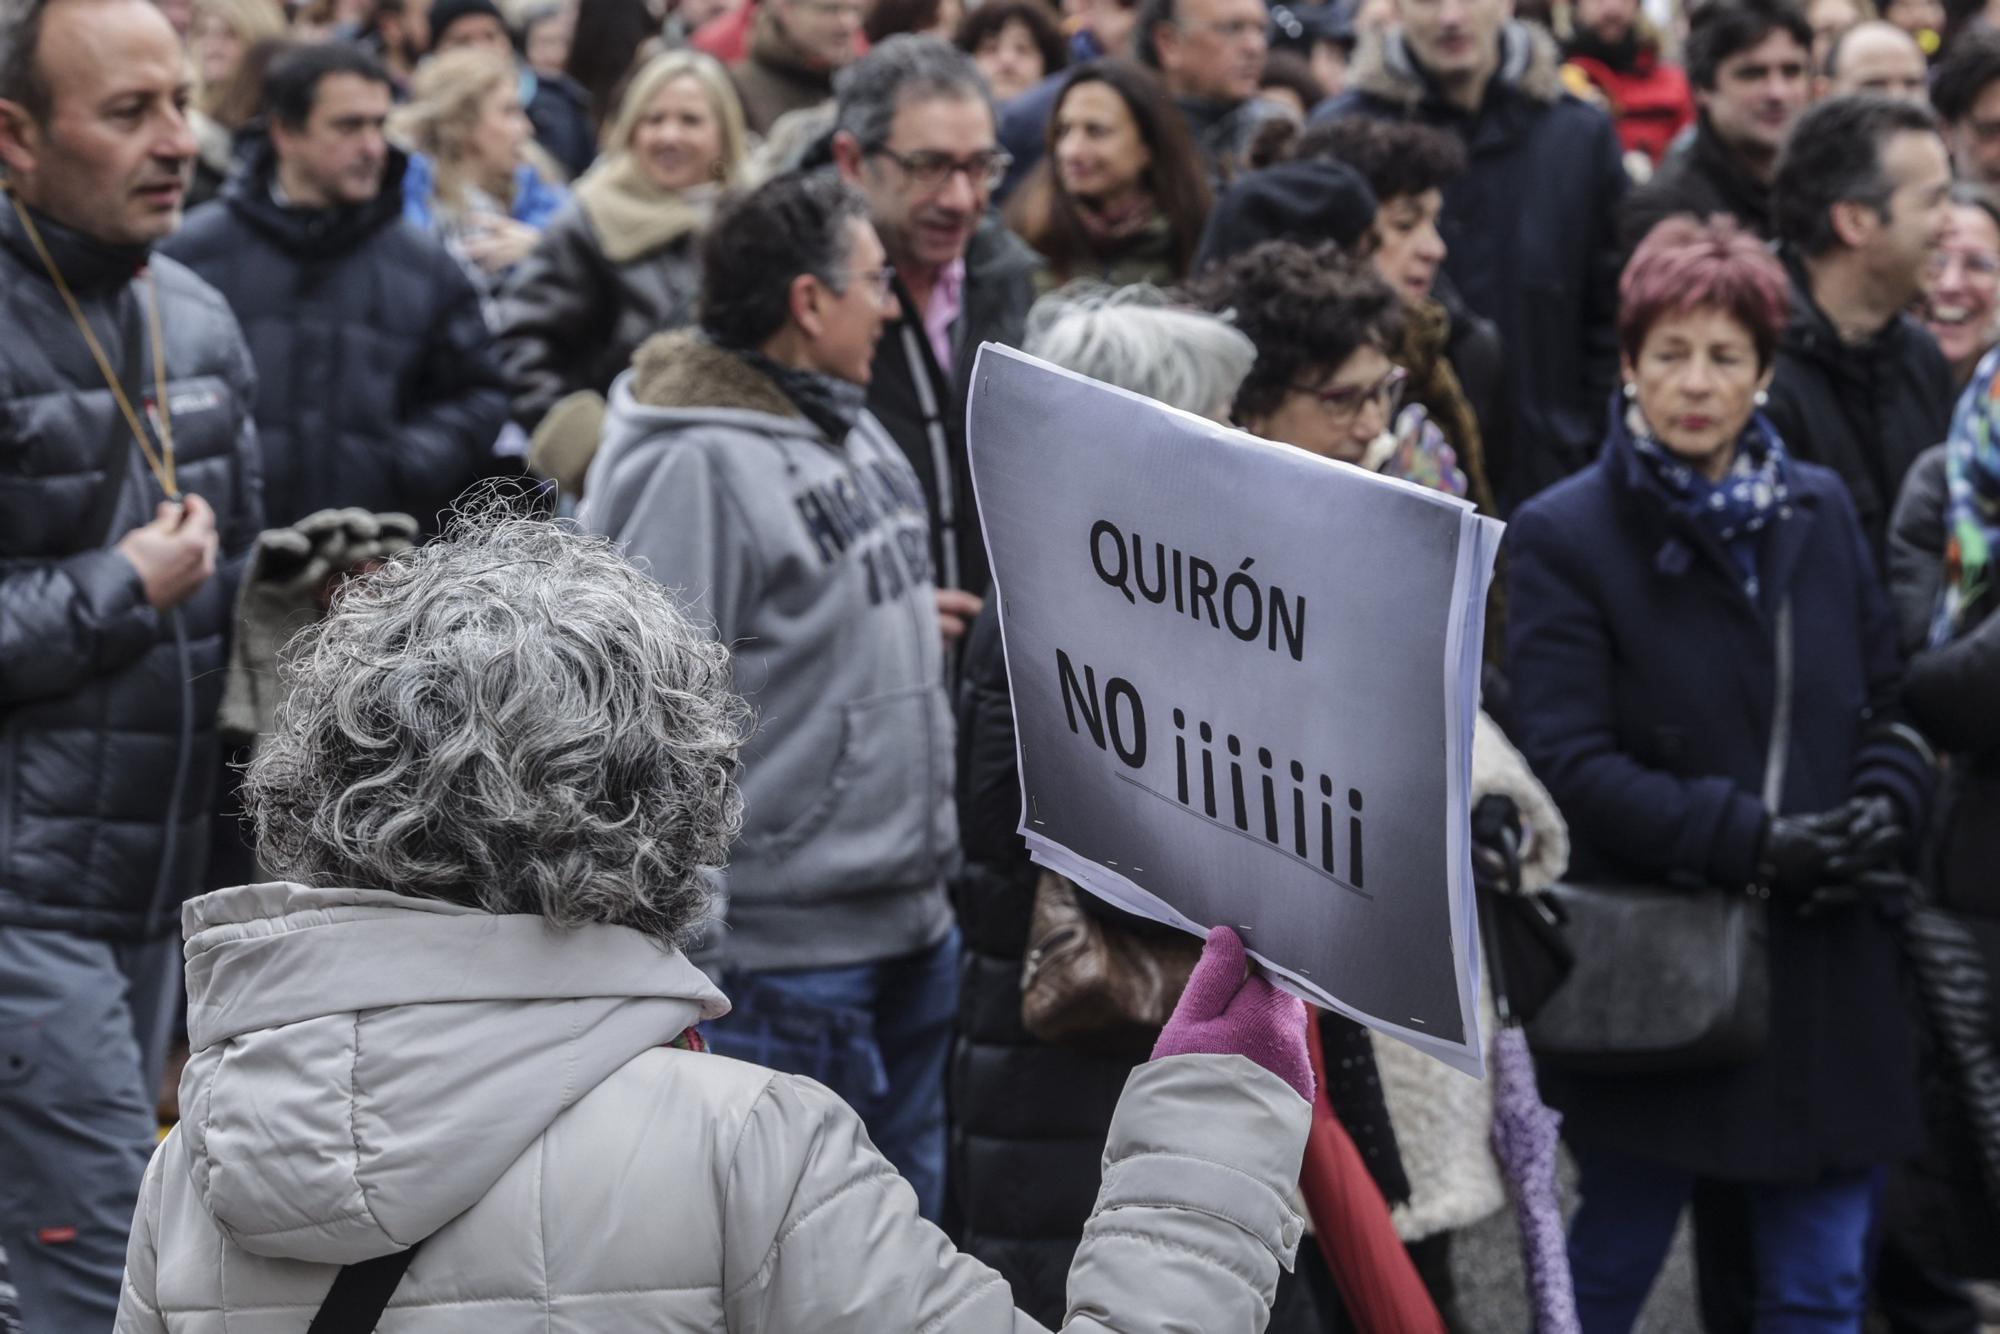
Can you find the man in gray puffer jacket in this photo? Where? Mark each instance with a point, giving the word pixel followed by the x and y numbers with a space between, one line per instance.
pixel 740 466
pixel 114 608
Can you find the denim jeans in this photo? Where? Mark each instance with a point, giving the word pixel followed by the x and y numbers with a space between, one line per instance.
pixel 875 1033
pixel 1808 1244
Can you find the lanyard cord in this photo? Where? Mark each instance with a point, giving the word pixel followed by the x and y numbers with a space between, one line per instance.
pixel 161 463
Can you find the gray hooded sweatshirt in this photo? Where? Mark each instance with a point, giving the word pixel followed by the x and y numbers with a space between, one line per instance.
pixel 811 559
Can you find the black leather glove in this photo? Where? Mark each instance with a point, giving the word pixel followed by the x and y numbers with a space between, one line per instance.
pixel 1872 830
pixel 1496 845
pixel 1795 852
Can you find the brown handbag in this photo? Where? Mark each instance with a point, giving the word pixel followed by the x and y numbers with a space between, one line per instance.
pixel 1087 981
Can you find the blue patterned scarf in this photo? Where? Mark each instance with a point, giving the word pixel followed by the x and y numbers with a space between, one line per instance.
pixel 1972 504
pixel 1756 490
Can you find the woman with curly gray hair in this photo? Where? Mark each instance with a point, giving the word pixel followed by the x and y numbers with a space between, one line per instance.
pixel 449 1062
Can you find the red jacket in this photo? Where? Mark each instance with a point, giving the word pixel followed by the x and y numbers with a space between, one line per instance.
pixel 1650 100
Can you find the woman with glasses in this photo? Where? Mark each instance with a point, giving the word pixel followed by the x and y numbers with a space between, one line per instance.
pixel 1961 305
pixel 1324 325
pixel 1120 196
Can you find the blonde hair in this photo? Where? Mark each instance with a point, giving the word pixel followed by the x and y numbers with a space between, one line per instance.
pixel 446 99
pixel 252 21
pixel 664 69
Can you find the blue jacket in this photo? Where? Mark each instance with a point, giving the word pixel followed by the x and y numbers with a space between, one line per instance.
pixel 1644 683
pixel 1532 233
pixel 535 200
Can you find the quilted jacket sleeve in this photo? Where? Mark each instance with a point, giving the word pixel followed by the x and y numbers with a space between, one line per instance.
pixel 70 620
pixel 138 1303
pixel 446 443
pixel 1191 1225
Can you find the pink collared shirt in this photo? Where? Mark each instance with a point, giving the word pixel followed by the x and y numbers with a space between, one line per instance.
pixel 947 303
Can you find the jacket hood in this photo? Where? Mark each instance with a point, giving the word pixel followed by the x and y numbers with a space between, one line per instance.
pixel 684 371
pixel 311 231
pixel 1530 64
pixel 366 1065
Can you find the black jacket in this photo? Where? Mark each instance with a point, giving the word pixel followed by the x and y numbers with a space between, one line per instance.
pixel 107 707
pixel 999 288
pixel 570 318
pixel 1533 246
pixel 1942 1199
pixel 1864 411
pixel 1703 178
pixel 1644 691
pixel 377 385
pixel 560 113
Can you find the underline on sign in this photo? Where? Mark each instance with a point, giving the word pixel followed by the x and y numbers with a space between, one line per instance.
pixel 1248 837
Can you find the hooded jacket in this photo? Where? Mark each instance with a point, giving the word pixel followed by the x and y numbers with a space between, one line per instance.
pixel 1864 410
pixel 377 385
pixel 1530 227
pixel 370 1071
pixel 810 558
pixel 107 707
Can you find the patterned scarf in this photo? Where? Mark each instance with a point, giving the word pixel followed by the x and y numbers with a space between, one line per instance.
pixel 1972 505
pixel 831 404
pixel 1756 490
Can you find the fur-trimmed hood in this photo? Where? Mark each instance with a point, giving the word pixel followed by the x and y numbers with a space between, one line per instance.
pixel 683 370
pixel 1530 63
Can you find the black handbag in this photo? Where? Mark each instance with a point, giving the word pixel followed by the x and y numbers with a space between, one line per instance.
pixel 1669 977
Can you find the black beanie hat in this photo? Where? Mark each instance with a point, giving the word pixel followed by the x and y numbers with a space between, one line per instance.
pixel 444 13
pixel 1310 202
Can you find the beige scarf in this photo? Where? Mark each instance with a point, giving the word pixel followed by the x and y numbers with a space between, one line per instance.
pixel 633 217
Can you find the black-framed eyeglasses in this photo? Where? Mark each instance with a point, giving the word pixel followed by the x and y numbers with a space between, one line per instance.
pixel 1345 403
pixel 929 170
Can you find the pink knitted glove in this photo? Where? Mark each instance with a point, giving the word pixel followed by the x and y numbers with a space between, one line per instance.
pixel 1223 1012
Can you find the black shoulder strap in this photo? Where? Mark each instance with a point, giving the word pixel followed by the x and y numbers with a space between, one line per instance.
pixel 360 1293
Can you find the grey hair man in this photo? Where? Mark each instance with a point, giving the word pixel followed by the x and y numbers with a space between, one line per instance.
pixel 740 464
pixel 116 576
pixel 1875 57
pixel 915 133
pixel 1210 54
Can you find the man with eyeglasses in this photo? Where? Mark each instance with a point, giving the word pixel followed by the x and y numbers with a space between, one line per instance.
pixel 915 133
pixel 796 47
pixel 1529 226
pixel 1210 54
pixel 740 463
pixel 1966 94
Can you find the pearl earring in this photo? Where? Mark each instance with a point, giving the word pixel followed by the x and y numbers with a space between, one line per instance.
pixel 1762 398
pixel 1631 390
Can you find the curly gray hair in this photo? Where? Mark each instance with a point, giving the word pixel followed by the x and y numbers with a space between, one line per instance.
pixel 511 718
pixel 1138 337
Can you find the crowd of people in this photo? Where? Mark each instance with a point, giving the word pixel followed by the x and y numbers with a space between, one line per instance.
pixel 571 398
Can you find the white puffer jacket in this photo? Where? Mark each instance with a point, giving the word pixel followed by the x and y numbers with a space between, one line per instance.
pixel 371 1070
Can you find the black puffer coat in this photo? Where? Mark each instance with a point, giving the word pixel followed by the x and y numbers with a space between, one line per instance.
pixel 377 384
pixel 1953 693
pixel 107 707
pixel 1864 411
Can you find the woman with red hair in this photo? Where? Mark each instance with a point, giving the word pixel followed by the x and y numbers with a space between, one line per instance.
pixel 1705 677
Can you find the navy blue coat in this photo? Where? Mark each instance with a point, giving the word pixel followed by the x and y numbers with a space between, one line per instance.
pixel 1644 684
pixel 1531 228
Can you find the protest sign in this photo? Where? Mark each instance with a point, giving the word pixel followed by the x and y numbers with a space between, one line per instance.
pixel 1244 682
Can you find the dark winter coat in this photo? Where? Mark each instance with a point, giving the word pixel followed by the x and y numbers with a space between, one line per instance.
pixel 1644 687
pixel 1703 177
pixel 377 385
pixel 1953 694
pixel 107 707
pixel 1530 226
pixel 559 110
pixel 1864 411
pixel 571 317
pixel 999 288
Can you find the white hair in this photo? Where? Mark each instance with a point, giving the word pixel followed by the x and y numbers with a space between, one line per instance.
pixel 1136 338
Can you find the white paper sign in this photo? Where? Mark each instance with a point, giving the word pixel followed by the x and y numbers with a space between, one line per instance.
pixel 1244 683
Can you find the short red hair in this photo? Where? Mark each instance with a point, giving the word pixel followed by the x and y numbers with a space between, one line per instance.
pixel 1685 264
